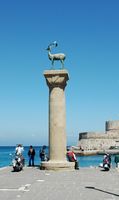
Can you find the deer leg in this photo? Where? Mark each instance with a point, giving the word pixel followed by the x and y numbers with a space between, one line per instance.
pixel 62 64
pixel 52 64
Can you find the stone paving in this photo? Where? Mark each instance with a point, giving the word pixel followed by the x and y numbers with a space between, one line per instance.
pixel 83 184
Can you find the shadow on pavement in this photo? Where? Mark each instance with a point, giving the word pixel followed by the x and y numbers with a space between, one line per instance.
pixel 93 188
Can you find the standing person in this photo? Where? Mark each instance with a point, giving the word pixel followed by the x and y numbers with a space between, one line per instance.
pixel 107 159
pixel 31 154
pixel 72 158
pixel 116 160
pixel 42 154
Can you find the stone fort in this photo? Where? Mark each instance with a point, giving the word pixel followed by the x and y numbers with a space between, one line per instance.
pixel 101 141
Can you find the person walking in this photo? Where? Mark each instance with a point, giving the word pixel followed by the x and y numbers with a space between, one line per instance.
pixel 31 154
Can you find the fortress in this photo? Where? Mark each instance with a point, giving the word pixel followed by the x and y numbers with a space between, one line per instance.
pixel 101 141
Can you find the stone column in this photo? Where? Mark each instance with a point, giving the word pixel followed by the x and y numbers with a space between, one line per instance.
pixel 57 81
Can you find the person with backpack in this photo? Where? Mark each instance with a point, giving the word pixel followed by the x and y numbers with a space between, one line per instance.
pixel 42 154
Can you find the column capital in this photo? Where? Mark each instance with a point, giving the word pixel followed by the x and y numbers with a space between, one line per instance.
pixel 56 78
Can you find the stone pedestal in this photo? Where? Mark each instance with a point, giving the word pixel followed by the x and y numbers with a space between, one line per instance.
pixel 56 81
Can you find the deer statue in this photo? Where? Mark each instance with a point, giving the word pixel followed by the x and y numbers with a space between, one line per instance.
pixel 58 56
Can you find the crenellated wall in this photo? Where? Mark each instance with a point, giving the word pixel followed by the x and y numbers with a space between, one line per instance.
pixel 100 141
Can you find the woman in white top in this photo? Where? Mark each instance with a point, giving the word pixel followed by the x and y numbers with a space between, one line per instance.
pixel 19 149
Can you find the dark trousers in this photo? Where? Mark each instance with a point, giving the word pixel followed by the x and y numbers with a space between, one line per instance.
pixel 76 165
pixel 31 160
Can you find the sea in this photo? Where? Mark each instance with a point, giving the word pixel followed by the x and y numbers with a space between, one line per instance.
pixel 7 154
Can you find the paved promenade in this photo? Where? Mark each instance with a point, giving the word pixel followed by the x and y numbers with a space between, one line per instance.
pixel 83 184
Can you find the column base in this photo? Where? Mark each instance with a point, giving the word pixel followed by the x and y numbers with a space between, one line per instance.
pixel 57 165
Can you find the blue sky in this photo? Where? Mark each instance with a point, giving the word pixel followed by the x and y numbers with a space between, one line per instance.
pixel 88 33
